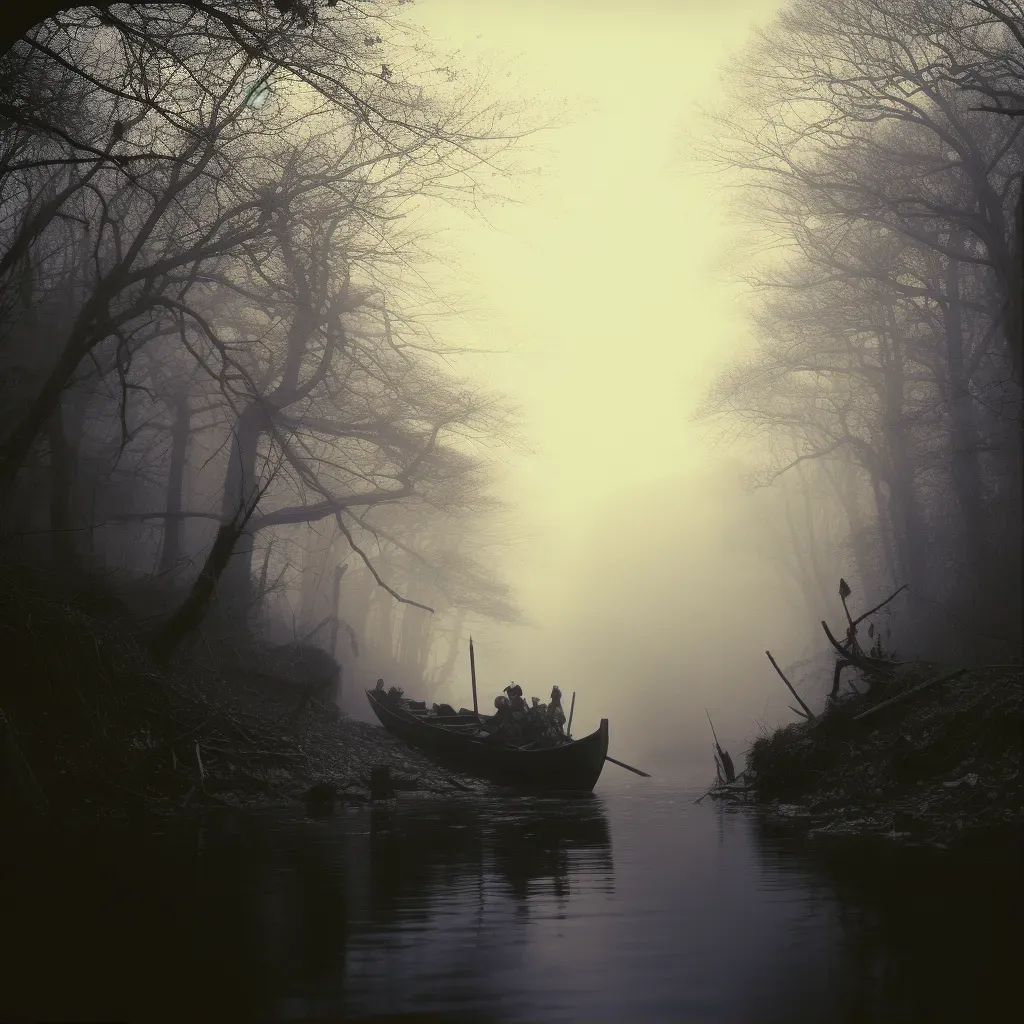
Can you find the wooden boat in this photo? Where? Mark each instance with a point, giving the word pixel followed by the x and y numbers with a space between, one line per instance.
pixel 572 766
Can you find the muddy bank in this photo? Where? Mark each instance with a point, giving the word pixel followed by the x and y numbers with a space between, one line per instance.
pixel 91 725
pixel 939 768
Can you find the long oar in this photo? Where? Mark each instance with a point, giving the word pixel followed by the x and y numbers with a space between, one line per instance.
pixel 621 764
pixel 628 767
pixel 472 672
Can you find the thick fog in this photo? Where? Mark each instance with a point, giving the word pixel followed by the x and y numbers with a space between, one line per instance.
pixel 578 328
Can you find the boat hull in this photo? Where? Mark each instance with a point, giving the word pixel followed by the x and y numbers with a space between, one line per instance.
pixel 572 767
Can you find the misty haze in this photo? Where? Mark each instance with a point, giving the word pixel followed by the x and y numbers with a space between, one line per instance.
pixel 511 511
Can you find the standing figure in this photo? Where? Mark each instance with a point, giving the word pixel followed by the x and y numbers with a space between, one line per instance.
pixel 555 712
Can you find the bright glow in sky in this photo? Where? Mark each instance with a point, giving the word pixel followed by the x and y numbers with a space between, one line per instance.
pixel 608 285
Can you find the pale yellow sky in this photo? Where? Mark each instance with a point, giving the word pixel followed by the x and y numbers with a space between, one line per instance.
pixel 608 286
pixel 606 278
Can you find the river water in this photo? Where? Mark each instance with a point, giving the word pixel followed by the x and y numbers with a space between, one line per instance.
pixel 635 905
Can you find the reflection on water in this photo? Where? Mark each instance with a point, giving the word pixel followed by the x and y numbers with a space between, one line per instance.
pixel 925 936
pixel 510 910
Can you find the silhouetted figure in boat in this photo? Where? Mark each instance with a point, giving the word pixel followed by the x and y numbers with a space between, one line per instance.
pixel 515 697
pixel 526 725
pixel 393 696
pixel 518 728
pixel 493 725
pixel 555 713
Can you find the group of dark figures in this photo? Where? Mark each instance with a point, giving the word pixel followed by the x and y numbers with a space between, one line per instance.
pixel 514 721
pixel 533 724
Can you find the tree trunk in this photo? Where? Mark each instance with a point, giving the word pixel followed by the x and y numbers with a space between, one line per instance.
pixel 845 487
pixel 18 443
pixel 170 551
pixel 885 525
pixel 380 621
pixel 339 572
pixel 908 522
pixel 62 487
pixel 311 582
pixel 239 484
pixel 191 611
pixel 1013 323
pixel 965 468
pixel 414 640
pixel 444 672
pixel 798 549
pixel 813 547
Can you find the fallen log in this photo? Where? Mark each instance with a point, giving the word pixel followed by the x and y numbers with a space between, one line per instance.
pixel 900 697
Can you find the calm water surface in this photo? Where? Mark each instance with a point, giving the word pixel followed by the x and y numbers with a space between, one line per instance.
pixel 633 906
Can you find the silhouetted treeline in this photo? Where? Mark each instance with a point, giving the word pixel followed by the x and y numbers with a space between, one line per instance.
pixel 213 375
pixel 879 152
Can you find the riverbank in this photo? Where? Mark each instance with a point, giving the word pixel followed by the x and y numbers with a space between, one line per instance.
pixel 91 725
pixel 940 767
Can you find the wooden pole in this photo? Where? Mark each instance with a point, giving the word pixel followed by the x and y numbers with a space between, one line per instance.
pixel 572 707
pixel 472 672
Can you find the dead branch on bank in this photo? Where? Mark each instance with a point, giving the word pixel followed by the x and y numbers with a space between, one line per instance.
pixel 723 762
pixel 881 761
pixel 808 714
pixel 864 662
pixel 850 651
pixel 871 611
pixel 728 790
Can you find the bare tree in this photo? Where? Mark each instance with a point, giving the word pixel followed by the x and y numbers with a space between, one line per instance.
pixel 884 198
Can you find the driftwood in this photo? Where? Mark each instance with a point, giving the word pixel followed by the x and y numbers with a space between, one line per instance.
pixel 907 694
pixel 782 675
